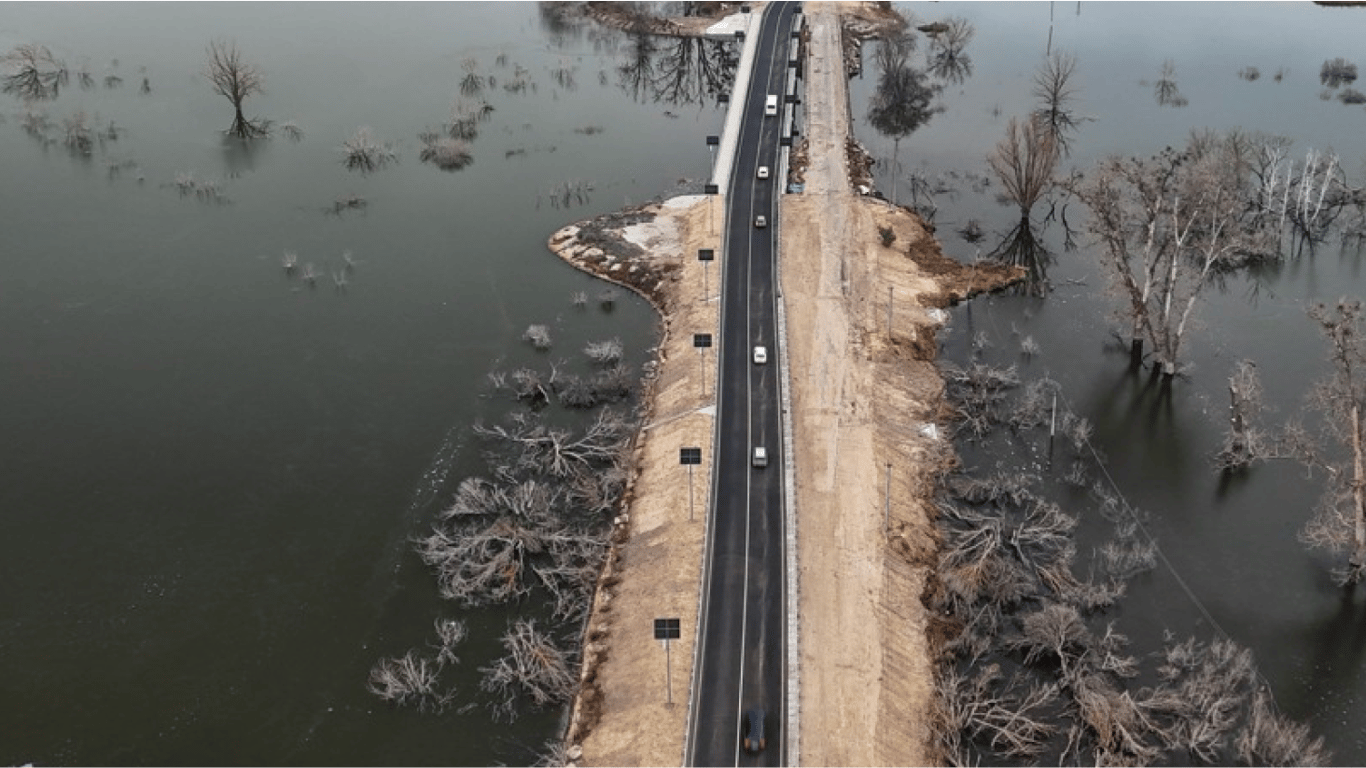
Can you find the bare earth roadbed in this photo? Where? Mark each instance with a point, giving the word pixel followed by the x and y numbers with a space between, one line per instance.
pixel 863 400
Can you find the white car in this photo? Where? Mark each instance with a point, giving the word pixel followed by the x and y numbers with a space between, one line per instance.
pixel 763 171
pixel 760 457
pixel 760 222
pixel 760 355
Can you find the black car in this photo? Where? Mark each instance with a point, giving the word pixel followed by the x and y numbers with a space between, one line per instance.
pixel 754 730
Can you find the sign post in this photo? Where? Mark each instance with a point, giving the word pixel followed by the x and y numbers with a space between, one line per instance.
pixel 706 256
pixel 666 630
pixel 702 341
pixel 690 457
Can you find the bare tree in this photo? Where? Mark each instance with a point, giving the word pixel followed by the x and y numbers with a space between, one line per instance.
pixel 410 680
pixel 234 79
pixel 1168 226
pixel 1339 520
pixel 1166 91
pixel 1244 443
pixel 534 668
pixel 1269 738
pixel 31 72
pixel 978 708
pixel 1024 162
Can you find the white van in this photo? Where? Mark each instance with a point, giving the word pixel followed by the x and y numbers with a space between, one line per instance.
pixel 771 105
pixel 760 457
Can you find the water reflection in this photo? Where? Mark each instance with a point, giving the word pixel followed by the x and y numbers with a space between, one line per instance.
pixel 1022 247
pixel 676 70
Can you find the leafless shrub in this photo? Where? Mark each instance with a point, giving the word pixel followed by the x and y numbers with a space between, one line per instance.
pixel 534 668
pixel 1249 74
pixel 290 261
pixel 607 297
pixel 79 139
pixel 607 352
pixel 972 232
pixel 409 680
pixel 589 130
pixel 362 152
pixel 579 298
pixel 471 84
pixel 1038 403
pixel 291 130
pixel 35 121
pixel 555 754
pixel 575 392
pixel 1352 96
pixel 350 202
pixel 112 81
pixel 311 274
pixel 1209 684
pixel 1010 722
pixel 32 72
pixel 1335 72
pixel 978 393
pixel 1270 738
pixel 538 335
pixel 204 191
pixel 1117 722
pixel 449 633
pixel 444 152
pixel 1127 554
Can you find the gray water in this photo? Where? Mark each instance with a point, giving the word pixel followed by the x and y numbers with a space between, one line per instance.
pixel 211 470
pixel 1232 545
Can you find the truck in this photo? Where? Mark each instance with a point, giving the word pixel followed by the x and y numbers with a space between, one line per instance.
pixel 771 105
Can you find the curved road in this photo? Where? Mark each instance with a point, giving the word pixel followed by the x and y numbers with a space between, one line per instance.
pixel 741 659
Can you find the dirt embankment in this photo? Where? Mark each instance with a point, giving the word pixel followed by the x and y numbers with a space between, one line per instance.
pixel 623 714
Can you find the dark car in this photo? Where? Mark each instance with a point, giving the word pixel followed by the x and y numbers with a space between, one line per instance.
pixel 754 730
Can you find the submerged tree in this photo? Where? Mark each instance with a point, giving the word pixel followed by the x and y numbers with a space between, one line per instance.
pixel 31 72
pixel 1339 521
pixel 1168 226
pixel 1024 161
pixel 234 79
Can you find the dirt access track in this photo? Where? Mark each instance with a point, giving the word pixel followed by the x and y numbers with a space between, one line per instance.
pixel 866 402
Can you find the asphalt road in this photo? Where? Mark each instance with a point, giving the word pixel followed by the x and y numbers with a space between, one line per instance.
pixel 742 655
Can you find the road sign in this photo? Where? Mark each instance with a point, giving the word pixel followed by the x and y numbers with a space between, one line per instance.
pixel 711 189
pixel 667 629
pixel 713 140
pixel 689 455
pixel 706 254
pixel 701 340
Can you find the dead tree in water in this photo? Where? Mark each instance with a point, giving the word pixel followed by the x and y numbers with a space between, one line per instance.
pixel 533 668
pixel 32 73
pixel 234 79
pixel 1024 161
pixel 1243 443
pixel 1339 520
pixel 1168 226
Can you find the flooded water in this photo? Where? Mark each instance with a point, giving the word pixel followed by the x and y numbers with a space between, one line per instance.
pixel 1234 558
pixel 213 470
